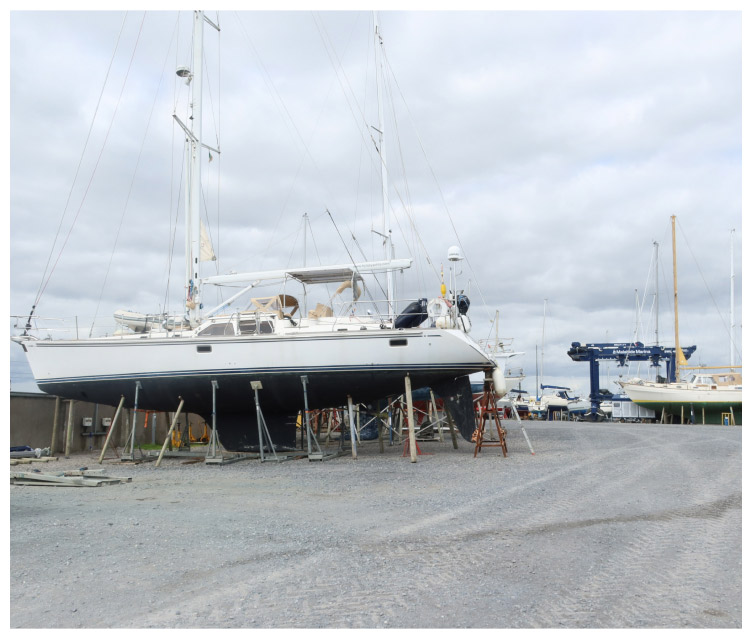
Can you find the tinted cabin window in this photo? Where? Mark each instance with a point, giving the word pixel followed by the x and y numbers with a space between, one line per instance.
pixel 225 328
pixel 397 342
pixel 267 327
pixel 248 327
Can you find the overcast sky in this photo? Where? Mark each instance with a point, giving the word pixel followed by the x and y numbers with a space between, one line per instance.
pixel 552 147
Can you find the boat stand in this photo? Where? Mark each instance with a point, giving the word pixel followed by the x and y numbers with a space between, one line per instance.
pixel 397 416
pixel 127 454
pixel 169 432
pixel 427 420
pixel 214 453
pixel 113 425
pixel 411 420
pixel 433 417
pixel 353 445
pixel 263 431
pixel 522 428
pixel 311 438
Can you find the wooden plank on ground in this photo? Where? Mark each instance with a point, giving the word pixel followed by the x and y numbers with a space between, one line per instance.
pixel 30 460
pixel 41 479
pixel 97 473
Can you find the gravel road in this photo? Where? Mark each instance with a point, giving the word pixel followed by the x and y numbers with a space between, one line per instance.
pixel 606 526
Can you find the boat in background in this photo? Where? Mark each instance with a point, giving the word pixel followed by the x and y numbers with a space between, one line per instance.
pixel 553 403
pixel 705 397
pixel 504 376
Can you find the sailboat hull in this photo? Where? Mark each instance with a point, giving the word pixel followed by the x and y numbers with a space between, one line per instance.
pixel 710 406
pixel 366 365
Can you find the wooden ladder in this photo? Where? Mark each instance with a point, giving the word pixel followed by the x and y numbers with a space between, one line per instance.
pixel 487 410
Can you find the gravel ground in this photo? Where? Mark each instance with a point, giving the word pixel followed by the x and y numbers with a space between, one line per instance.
pixel 606 526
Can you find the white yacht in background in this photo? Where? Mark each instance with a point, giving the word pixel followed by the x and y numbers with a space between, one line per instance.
pixel 704 397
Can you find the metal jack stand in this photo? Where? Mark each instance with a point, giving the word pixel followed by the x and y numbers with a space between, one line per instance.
pixel 213 453
pixel 213 456
pixel 522 428
pixel 312 440
pixel 128 450
pixel 263 431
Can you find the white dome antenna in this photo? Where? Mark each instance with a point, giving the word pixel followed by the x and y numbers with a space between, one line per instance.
pixel 454 254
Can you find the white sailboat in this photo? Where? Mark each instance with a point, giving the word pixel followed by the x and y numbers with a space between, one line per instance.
pixel 505 378
pixel 704 397
pixel 208 358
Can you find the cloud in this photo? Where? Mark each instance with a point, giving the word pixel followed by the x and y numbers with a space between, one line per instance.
pixel 552 146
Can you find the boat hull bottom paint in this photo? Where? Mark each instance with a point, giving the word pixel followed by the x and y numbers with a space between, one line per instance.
pixel 280 398
pixel 696 412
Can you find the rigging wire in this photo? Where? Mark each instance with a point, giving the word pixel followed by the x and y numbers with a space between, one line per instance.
pixel 133 176
pixel 702 276
pixel 438 186
pixel 380 162
pixel 408 204
pixel 45 275
pixel 171 250
pixel 289 123
pixel 104 144
pixel 352 259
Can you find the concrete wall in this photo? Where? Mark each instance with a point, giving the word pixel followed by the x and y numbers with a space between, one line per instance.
pixel 32 417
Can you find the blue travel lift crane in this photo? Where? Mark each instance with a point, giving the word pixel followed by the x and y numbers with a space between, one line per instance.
pixel 623 353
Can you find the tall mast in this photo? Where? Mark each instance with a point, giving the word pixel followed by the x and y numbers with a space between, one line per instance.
pixel 731 310
pixel 543 339
pixel 387 230
pixel 657 341
pixel 655 246
pixel 193 186
pixel 679 355
pixel 193 144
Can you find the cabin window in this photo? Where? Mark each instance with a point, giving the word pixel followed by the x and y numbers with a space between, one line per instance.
pixel 397 342
pixel 267 328
pixel 249 327
pixel 204 348
pixel 222 328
